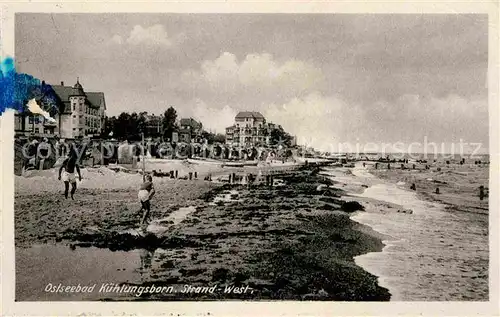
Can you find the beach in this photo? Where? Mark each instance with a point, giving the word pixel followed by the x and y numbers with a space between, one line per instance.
pixel 437 252
pixel 294 240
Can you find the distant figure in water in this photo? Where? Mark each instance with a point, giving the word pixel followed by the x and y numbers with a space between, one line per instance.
pixel 482 194
pixel 68 175
pixel 413 187
pixel 437 190
pixel 145 194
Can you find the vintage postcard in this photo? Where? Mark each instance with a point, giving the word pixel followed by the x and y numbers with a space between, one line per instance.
pixel 327 158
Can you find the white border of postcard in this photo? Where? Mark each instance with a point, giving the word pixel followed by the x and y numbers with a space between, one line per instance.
pixel 8 307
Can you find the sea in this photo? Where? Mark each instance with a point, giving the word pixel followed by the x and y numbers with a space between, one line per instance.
pixel 432 254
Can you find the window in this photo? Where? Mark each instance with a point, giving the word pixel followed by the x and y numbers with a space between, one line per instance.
pixel 37 130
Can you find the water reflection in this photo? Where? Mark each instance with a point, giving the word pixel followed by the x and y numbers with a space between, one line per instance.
pixel 40 265
pixel 146 263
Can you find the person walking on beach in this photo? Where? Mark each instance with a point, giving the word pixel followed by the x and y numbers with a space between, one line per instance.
pixel 145 194
pixel 32 153
pixel 68 175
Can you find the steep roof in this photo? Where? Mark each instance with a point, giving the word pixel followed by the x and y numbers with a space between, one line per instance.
pixel 250 114
pixel 77 89
pixel 190 122
pixel 96 99
pixel 63 93
pixel 48 99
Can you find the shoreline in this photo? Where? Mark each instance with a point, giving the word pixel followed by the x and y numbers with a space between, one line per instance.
pixel 420 237
pixel 290 242
pixel 458 184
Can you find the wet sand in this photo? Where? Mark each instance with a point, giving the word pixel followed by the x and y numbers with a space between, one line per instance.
pixel 458 184
pixel 290 242
pixel 49 217
pixel 437 252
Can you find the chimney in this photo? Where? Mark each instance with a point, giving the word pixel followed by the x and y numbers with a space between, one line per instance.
pixel 62 83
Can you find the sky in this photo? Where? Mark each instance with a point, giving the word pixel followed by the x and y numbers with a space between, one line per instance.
pixel 326 78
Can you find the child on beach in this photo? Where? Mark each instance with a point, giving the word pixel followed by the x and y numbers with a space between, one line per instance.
pixel 145 194
pixel 67 172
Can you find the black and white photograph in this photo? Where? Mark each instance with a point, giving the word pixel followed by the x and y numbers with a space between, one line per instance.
pixel 313 157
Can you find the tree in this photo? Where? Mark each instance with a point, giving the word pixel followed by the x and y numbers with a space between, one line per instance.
pixel 213 138
pixel 109 124
pixel 121 127
pixel 141 123
pixel 220 138
pixel 280 137
pixel 135 134
pixel 169 123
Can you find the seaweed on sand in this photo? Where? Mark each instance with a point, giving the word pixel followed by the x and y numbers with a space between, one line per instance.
pixel 321 265
pixel 352 206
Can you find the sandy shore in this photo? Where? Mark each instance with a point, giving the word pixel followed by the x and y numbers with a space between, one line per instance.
pixel 458 184
pixel 444 236
pixel 290 242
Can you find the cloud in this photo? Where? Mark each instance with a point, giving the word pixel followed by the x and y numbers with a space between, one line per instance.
pixel 256 75
pixel 329 122
pixel 155 35
pixel 317 120
pixel 117 39
pixel 449 118
pixel 213 118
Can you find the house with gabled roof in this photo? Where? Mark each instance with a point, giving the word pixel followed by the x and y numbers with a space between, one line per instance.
pixel 79 113
pixel 190 130
pixel 249 129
